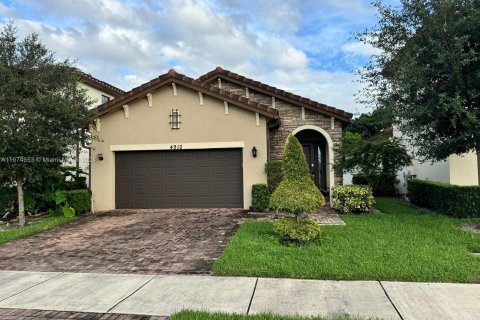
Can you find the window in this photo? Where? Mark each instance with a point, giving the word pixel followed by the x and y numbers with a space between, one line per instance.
pixel 105 99
pixel 175 119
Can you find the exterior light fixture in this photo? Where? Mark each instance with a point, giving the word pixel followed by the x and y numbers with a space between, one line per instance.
pixel 254 152
pixel 100 156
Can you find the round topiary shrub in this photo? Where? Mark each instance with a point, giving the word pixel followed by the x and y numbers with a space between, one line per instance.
pixel 352 199
pixel 296 192
pixel 299 231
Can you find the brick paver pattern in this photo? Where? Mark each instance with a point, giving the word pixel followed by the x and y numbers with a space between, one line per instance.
pixel 25 314
pixel 146 241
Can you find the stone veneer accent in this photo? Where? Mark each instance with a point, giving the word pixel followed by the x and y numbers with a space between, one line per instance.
pixel 290 119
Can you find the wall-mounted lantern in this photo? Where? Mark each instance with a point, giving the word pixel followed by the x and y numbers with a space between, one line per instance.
pixel 100 156
pixel 254 152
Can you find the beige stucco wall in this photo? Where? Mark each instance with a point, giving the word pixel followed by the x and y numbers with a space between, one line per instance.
pixel 464 169
pixel 205 124
pixel 456 169
pixel 95 94
pixel 84 160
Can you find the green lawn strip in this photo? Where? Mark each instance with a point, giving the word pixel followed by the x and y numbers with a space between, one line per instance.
pixel 202 315
pixel 400 244
pixel 44 223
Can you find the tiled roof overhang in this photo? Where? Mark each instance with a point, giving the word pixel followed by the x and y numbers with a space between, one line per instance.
pixel 277 93
pixel 100 85
pixel 173 77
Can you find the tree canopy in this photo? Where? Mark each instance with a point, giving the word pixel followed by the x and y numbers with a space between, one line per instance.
pixel 42 110
pixel 427 74
pixel 370 124
pixel 371 157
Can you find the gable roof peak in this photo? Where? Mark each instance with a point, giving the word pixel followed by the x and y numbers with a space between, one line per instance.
pixel 181 79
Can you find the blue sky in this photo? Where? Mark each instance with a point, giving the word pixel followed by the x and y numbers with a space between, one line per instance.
pixel 306 47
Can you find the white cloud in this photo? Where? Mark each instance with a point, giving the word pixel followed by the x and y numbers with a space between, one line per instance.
pixel 281 54
pixel 129 43
pixel 359 49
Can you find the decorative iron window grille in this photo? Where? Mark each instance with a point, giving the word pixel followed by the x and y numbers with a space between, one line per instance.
pixel 175 119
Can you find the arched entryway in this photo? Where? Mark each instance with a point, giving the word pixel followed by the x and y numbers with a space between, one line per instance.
pixel 314 147
pixel 318 148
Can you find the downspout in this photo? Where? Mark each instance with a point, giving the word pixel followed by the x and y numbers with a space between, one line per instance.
pixel 89 148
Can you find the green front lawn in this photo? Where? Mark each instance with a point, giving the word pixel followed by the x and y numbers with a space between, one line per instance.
pixel 400 244
pixel 201 315
pixel 44 223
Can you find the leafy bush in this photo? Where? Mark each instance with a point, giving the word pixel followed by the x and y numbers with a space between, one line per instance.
pixel 449 199
pixel 260 197
pixel 352 199
pixel 297 192
pixel 79 200
pixel 296 198
pixel 300 231
pixel 382 184
pixel 8 200
pixel 273 169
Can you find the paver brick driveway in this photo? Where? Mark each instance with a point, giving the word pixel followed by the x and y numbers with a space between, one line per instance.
pixel 128 241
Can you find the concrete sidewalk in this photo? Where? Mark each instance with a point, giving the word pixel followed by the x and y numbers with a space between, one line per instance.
pixel 163 295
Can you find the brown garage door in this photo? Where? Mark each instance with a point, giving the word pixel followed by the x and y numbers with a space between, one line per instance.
pixel 179 179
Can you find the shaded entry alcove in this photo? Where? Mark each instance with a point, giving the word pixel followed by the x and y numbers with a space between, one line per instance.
pixel 315 148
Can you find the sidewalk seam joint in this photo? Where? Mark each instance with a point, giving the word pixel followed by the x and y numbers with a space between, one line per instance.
pixel 131 294
pixel 13 295
pixel 251 298
pixel 391 301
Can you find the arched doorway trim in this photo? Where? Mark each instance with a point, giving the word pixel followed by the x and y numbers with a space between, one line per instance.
pixel 331 175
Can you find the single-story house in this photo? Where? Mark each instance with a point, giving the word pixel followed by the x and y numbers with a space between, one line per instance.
pixel 181 142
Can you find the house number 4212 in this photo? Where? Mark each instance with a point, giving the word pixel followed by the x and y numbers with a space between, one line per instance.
pixel 176 147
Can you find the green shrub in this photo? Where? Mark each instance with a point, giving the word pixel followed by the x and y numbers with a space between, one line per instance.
pixel 260 197
pixel 382 184
pixel 296 198
pixel 449 199
pixel 273 169
pixel 352 199
pixel 300 231
pixel 297 192
pixel 8 200
pixel 78 200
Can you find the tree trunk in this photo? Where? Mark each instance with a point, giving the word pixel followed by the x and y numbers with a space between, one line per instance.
pixel 21 206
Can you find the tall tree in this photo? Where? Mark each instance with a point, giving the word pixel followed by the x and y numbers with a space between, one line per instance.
pixel 370 124
pixel 371 157
pixel 42 110
pixel 428 72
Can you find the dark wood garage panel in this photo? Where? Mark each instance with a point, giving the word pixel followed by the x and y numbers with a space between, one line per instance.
pixel 179 179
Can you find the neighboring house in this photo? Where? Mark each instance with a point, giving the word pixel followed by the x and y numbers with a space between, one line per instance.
pixel 180 142
pixel 463 170
pixel 457 169
pixel 100 92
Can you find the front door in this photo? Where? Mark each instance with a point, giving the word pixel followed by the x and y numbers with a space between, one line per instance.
pixel 310 153
pixel 315 155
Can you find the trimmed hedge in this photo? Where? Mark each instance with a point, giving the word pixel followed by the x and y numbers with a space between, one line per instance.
pixel 382 184
pixel 273 169
pixel 449 199
pixel 301 231
pixel 79 200
pixel 352 199
pixel 260 197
